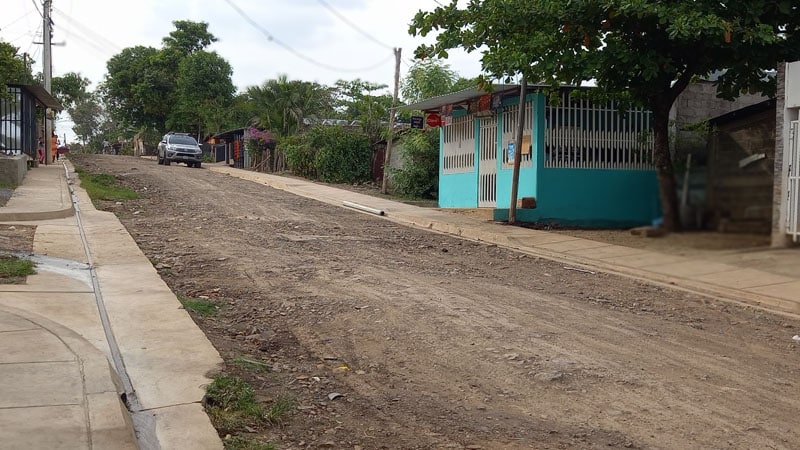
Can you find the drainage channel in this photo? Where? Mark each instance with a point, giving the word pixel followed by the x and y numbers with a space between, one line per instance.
pixel 143 422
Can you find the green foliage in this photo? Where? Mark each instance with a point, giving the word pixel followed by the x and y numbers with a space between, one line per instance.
pixel 342 155
pixel 70 89
pixel 419 175
pixel 202 307
pixel 12 67
pixel 246 443
pixel 14 270
pixel 281 105
pixel 101 186
pixel 300 157
pixel 231 404
pixel 279 408
pixel 358 100
pixel 203 89
pixel 431 77
pixel 179 86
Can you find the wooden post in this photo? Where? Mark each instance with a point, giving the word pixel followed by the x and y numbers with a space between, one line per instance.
pixel 512 208
pixel 388 153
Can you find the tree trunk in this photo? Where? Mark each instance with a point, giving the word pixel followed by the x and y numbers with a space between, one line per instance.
pixel 663 161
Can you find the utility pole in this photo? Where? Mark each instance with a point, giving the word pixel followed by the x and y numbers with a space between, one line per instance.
pixel 512 208
pixel 47 71
pixel 387 157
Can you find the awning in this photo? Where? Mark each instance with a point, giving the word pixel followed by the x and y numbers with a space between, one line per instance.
pixel 463 96
pixel 41 95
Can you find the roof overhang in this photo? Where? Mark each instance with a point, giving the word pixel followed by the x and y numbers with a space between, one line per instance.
pixel 460 97
pixel 41 95
pixel 230 133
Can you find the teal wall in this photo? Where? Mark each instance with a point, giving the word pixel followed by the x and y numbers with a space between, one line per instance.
pixel 528 186
pixel 594 198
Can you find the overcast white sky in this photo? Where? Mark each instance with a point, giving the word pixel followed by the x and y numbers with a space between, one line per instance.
pixel 329 48
pixel 328 39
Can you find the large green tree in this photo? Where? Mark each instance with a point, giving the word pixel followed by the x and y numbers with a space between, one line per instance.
pixel 203 90
pixel 180 85
pixel 431 77
pixel 649 50
pixel 70 89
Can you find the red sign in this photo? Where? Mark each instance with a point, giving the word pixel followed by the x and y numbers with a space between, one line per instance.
pixel 434 120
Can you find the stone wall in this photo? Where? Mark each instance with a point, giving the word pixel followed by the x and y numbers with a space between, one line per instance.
pixel 13 169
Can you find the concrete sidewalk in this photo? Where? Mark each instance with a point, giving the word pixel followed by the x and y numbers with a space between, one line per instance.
pixel 737 282
pixel 94 326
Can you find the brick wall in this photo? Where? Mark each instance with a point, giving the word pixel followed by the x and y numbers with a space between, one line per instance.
pixel 740 198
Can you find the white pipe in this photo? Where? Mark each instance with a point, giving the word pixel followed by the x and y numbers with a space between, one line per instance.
pixel 363 208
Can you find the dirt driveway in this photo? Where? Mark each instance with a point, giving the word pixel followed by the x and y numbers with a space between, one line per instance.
pixel 437 342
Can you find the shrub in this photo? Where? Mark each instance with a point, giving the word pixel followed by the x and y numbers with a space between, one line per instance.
pixel 419 175
pixel 299 157
pixel 342 155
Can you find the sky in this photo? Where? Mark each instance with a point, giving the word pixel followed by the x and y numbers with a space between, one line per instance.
pixel 309 40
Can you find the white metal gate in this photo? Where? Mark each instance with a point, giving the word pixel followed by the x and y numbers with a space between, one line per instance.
pixel 487 166
pixel 793 203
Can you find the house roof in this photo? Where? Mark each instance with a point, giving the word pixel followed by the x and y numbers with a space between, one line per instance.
pixel 230 133
pixel 743 112
pixel 434 103
pixel 41 95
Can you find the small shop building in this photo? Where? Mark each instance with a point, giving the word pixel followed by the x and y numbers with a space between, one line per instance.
pixel 582 163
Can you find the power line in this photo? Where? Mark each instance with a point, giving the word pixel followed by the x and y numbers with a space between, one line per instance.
pixel 296 53
pixel 36 5
pixel 96 40
pixel 352 25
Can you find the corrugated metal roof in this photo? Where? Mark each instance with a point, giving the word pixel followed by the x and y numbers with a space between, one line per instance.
pixel 42 96
pixel 454 98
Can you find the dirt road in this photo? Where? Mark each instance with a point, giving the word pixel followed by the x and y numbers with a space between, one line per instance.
pixel 437 342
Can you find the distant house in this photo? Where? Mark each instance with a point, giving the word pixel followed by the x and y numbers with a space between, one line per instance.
pixel 582 163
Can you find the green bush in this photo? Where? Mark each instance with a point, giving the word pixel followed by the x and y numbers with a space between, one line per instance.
pixel 299 157
pixel 342 155
pixel 419 175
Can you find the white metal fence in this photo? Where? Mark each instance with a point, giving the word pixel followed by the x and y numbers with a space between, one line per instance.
pixel 582 134
pixel 487 166
pixel 458 149
pixel 793 181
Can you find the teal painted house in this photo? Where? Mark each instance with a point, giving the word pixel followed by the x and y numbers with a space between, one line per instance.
pixel 585 164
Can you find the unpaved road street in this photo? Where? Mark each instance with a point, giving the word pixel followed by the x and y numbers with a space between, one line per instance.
pixel 437 342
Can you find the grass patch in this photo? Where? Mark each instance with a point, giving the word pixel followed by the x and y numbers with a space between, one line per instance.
pixel 252 365
pixel 279 408
pixel 13 270
pixel 6 185
pixel 200 306
pixel 231 404
pixel 243 443
pixel 102 186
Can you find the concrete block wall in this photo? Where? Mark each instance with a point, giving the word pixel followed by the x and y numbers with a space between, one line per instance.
pixel 13 169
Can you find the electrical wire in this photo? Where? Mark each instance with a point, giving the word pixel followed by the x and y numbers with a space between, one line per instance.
pixel 96 40
pixel 344 19
pixel 16 20
pixel 270 37
pixel 36 5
